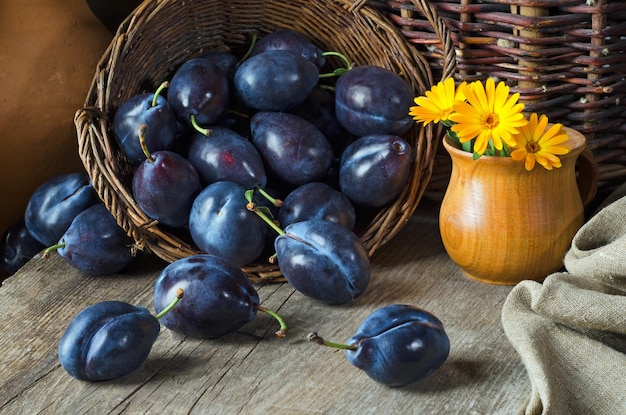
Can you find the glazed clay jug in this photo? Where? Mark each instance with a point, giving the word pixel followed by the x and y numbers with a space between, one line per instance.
pixel 502 224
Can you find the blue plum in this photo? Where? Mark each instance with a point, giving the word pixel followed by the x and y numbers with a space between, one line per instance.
pixel 219 297
pixel 18 247
pixel 53 205
pixel 226 61
pixel 293 149
pixel 296 42
pixel 275 80
pixel 220 224
pixel 95 244
pixel 199 92
pixel 164 186
pixel 317 200
pixel 154 111
pixel 373 100
pixel 323 260
pixel 226 156
pixel 399 344
pixel 374 169
pixel 107 340
pixel 319 109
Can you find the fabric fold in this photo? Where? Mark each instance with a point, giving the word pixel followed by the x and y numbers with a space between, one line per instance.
pixel 570 330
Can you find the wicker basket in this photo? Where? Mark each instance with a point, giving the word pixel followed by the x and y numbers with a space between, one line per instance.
pixel 567 59
pixel 160 34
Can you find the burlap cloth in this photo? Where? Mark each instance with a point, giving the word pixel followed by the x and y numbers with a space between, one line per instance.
pixel 570 330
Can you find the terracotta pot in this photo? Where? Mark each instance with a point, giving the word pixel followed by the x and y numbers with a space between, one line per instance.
pixel 503 224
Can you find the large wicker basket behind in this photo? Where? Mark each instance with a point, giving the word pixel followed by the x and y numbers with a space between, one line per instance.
pixel 567 58
pixel 161 34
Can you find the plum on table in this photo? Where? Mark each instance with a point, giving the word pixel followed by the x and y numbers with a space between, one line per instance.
pixel 396 345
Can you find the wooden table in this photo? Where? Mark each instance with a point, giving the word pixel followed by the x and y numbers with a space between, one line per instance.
pixel 252 371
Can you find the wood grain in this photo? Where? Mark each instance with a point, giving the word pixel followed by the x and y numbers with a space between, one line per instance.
pixel 252 371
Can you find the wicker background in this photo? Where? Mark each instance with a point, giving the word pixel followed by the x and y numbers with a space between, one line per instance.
pixel 566 58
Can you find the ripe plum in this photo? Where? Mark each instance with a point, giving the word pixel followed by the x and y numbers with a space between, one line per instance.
pixel 275 80
pixel 53 205
pixel 373 100
pixel 293 149
pixel 374 169
pixel 220 224
pixel 226 156
pixel 323 260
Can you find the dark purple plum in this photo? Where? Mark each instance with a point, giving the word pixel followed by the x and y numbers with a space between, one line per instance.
pixel 396 345
pixel 373 100
pixel 226 61
pixel 151 110
pixel 275 80
pixel 226 156
pixel 107 340
pixel 220 224
pixel 399 344
pixel 164 186
pixel 323 260
pixel 319 109
pixel 53 205
pixel 374 169
pixel 94 243
pixel 18 247
pixel 199 89
pixel 317 200
pixel 296 42
pixel 293 149
pixel 219 297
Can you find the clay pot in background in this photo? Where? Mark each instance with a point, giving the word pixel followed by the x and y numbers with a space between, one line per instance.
pixel 48 54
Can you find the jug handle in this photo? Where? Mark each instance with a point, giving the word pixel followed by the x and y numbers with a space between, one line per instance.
pixel 587 179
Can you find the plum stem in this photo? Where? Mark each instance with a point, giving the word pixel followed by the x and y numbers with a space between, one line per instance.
pixel 161 87
pixel 274 201
pixel 313 337
pixel 46 252
pixel 338 71
pixel 141 132
pixel 282 332
pixel 179 294
pixel 252 207
pixel 249 51
pixel 204 131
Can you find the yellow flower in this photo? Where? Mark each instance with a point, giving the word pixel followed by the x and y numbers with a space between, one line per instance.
pixel 488 115
pixel 438 103
pixel 535 144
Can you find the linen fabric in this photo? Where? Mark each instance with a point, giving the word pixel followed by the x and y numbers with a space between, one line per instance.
pixel 570 330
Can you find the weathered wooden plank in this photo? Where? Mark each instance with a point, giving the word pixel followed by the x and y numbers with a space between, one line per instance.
pixel 252 371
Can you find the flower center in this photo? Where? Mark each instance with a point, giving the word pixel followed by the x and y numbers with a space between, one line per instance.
pixel 533 147
pixel 491 121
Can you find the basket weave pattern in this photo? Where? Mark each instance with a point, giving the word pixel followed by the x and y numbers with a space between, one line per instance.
pixel 159 35
pixel 566 58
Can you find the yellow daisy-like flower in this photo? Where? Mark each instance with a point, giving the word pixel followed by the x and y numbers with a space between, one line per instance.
pixel 438 103
pixel 536 144
pixel 488 115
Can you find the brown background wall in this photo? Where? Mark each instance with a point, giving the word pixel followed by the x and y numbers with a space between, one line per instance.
pixel 48 54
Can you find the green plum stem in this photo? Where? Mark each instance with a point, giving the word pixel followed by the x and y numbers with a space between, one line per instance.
pixel 338 71
pixel 46 252
pixel 160 89
pixel 198 127
pixel 274 201
pixel 252 207
pixel 141 132
pixel 282 332
pixel 249 51
pixel 179 294
pixel 313 337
